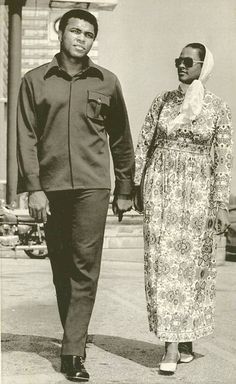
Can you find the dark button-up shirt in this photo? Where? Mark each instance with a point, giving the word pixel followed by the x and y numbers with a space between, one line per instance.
pixel 64 123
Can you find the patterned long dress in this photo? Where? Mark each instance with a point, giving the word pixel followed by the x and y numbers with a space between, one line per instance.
pixel 187 180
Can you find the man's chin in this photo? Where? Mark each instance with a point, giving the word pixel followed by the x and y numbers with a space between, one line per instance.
pixel 80 56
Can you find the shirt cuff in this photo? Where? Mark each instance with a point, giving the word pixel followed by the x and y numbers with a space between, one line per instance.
pixel 32 183
pixel 123 187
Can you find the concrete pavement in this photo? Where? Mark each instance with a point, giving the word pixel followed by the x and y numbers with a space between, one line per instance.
pixel 120 349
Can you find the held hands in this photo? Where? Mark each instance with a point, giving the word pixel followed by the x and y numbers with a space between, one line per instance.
pixel 121 204
pixel 38 206
pixel 222 221
pixel 138 199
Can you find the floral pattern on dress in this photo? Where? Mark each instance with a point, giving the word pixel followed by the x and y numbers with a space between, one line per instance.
pixel 187 179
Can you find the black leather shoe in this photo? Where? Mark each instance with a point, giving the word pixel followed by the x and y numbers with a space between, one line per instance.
pixel 73 367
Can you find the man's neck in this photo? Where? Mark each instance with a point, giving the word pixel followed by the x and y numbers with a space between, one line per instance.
pixel 70 65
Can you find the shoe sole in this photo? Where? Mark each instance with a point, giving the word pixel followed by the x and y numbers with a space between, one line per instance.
pixel 166 373
pixel 76 379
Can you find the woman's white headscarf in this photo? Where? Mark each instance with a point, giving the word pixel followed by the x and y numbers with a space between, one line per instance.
pixel 193 100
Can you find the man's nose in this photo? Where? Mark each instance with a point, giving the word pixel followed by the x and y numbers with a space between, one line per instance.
pixel 81 37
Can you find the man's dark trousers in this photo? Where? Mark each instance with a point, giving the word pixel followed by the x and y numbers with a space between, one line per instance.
pixel 74 233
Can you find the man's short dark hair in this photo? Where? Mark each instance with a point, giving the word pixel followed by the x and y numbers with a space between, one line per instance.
pixel 78 14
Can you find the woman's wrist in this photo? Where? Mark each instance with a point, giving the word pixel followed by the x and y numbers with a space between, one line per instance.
pixel 223 206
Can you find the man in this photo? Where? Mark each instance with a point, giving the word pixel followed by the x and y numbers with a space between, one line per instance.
pixel 66 110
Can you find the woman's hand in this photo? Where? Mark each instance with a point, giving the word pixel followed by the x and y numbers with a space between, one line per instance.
pixel 222 220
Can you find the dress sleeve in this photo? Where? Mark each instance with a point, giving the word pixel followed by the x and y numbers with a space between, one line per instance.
pixel 145 138
pixel 223 144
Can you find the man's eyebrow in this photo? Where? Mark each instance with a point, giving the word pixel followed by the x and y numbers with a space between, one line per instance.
pixel 79 29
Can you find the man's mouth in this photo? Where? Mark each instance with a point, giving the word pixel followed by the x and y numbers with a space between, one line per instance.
pixel 79 47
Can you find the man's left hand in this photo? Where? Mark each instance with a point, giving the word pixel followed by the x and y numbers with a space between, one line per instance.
pixel 121 204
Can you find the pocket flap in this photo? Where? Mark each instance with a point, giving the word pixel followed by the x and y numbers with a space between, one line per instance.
pixel 99 97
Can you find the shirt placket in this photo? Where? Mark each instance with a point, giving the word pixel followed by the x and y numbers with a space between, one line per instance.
pixel 69 133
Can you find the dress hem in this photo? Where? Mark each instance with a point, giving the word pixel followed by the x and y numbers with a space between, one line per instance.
pixel 171 338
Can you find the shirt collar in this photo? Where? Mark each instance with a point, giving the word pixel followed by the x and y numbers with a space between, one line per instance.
pixel 91 68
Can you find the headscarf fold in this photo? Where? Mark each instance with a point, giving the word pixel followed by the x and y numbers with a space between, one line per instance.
pixel 193 100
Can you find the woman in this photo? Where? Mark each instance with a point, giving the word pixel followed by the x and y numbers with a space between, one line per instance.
pixel 185 197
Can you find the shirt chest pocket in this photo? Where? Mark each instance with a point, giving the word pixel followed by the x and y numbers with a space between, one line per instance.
pixel 97 106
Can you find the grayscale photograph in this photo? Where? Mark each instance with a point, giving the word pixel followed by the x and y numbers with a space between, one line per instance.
pixel 118 191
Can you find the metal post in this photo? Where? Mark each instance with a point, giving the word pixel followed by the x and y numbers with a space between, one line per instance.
pixel 14 76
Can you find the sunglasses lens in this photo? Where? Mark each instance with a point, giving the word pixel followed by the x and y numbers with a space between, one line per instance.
pixel 188 62
pixel 177 62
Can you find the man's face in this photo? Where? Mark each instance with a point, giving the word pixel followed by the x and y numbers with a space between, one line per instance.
pixel 187 75
pixel 77 38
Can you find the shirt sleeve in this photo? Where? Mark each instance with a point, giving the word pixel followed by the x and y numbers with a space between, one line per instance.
pixel 222 146
pixel 145 138
pixel 27 157
pixel 120 142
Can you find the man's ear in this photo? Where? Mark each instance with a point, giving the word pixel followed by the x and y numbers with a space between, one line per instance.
pixel 60 35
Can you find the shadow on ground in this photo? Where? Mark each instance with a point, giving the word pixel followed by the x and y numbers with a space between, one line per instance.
pixel 45 347
pixel 140 352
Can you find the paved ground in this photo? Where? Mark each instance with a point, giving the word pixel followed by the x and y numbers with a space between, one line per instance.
pixel 121 349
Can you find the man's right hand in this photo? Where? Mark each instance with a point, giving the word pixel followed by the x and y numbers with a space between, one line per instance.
pixel 38 206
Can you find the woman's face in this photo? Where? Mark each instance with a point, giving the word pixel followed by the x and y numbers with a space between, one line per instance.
pixel 188 74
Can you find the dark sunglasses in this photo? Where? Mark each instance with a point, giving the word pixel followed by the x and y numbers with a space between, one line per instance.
pixel 187 61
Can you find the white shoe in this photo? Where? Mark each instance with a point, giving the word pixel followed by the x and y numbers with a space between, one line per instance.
pixel 169 368
pixel 186 358
pixel 186 352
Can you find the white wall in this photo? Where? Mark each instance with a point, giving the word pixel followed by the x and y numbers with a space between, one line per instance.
pixel 140 39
